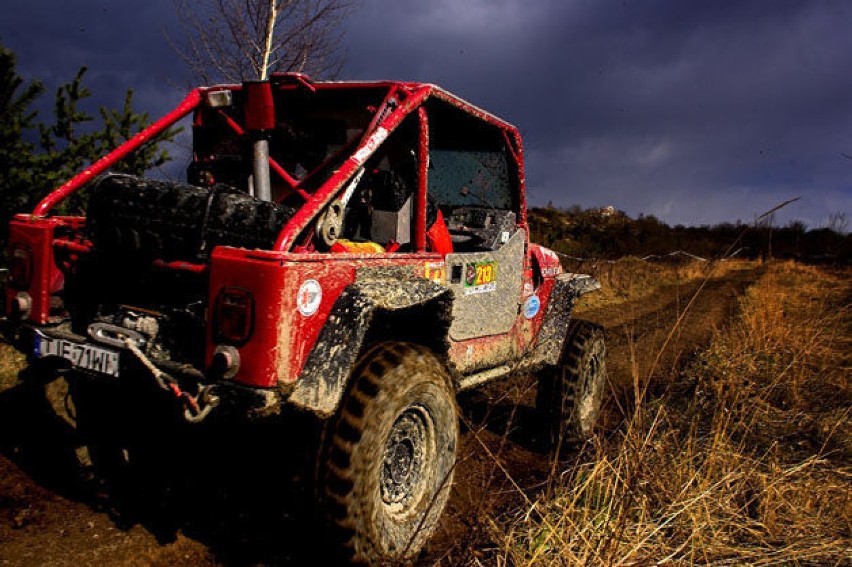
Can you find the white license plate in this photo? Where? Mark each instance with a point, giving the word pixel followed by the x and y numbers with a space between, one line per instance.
pixel 81 355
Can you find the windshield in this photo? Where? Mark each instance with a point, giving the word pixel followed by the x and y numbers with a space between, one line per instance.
pixel 468 162
pixel 470 178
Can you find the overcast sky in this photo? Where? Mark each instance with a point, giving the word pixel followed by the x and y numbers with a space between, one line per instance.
pixel 693 111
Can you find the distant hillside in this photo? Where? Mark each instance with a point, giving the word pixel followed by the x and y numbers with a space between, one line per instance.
pixel 610 233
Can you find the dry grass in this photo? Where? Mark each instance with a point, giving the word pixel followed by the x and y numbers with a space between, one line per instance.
pixel 745 461
pixel 11 363
pixel 630 279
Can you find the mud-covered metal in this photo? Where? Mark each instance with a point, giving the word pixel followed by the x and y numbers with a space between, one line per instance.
pixel 487 288
pixel 567 288
pixel 376 306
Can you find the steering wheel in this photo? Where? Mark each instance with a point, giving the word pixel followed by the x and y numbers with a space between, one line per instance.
pixel 465 236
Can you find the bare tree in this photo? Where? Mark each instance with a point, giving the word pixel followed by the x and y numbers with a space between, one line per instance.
pixel 837 222
pixel 237 40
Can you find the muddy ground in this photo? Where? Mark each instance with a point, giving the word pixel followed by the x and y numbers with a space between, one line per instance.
pixel 218 503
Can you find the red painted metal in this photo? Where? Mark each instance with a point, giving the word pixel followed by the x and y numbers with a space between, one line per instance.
pixel 284 337
pixel 511 147
pixel 188 105
pixel 483 115
pixel 258 107
pixel 422 180
pixel 180 266
pixel 414 95
pixel 73 246
pixel 299 78
pixel 402 98
pixel 36 237
pixel 233 124
pixel 518 154
pixel 546 261
pixel 291 181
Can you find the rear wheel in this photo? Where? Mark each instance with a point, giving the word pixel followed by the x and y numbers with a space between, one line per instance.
pixel 388 463
pixel 569 395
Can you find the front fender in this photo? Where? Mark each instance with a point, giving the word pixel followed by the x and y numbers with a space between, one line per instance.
pixel 551 336
pixel 358 309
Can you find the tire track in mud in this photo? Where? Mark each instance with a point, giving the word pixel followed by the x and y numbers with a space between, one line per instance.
pixel 49 514
pixel 637 331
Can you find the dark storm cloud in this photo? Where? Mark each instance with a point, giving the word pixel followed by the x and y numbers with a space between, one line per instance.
pixel 693 111
pixel 122 44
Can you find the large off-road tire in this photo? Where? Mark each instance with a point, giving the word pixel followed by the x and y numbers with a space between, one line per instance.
pixel 135 216
pixel 569 394
pixel 389 456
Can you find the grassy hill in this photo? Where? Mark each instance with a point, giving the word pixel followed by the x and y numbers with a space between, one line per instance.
pixel 609 233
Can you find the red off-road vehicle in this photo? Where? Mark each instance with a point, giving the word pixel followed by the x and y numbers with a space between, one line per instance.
pixel 356 250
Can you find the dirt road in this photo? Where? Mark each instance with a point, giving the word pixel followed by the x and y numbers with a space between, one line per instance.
pixel 228 506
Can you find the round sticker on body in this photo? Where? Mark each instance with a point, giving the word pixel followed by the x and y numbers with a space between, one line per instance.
pixel 309 297
pixel 532 306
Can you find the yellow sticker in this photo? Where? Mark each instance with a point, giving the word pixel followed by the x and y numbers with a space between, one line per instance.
pixel 435 271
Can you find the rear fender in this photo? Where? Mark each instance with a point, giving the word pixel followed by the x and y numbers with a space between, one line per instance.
pixel 551 336
pixel 365 312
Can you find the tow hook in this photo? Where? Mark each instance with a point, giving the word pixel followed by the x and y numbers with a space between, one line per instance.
pixel 196 407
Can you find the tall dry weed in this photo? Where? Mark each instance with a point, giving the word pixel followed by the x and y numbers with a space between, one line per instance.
pixel 748 464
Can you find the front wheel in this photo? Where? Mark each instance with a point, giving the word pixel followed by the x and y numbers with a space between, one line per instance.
pixel 569 395
pixel 388 463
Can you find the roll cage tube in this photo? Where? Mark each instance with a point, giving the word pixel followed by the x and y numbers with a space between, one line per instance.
pixel 387 118
pixel 389 103
pixel 276 167
pixel 190 103
pixel 372 139
pixel 422 180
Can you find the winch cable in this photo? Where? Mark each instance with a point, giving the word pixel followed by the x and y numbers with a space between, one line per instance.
pixel 197 407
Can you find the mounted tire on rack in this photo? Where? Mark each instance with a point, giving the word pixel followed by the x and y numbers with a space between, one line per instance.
pixel 387 465
pixel 569 394
pixel 130 215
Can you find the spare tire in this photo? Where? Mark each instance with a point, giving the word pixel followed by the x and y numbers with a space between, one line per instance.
pixel 177 221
